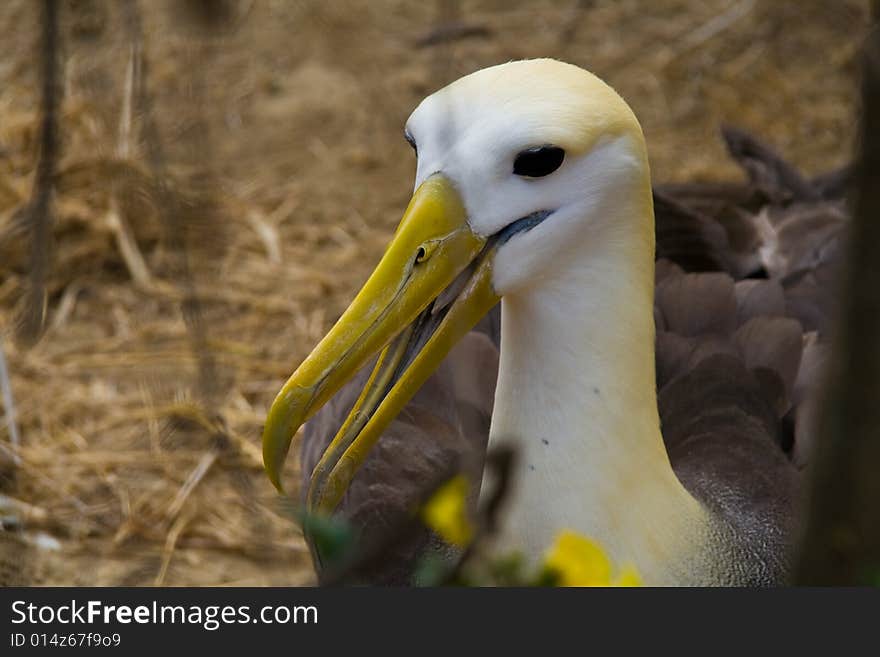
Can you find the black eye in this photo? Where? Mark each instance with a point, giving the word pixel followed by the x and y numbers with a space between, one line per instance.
pixel 412 142
pixel 539 161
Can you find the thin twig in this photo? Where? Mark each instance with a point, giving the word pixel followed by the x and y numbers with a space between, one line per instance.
pixel 707 31
pixel 9 406
pixel 452 31
pixel 197 474
pixel 127 245
pixel 27 514
pixel 65 306
pixel 168 550
pixel 39 211
pixel 132 80
pixel 268 234
pixel 115 219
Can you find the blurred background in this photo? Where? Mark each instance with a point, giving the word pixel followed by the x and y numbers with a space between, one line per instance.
pixel 227 173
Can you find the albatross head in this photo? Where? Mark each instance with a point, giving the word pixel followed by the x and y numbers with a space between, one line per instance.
pixel 520 167
pixel 526 140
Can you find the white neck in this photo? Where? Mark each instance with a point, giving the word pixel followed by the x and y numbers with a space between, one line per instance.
pixel 576 395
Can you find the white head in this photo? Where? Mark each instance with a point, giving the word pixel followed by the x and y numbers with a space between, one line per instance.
pixel 532 136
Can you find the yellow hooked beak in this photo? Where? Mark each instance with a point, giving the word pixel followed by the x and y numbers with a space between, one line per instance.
pixel 433 248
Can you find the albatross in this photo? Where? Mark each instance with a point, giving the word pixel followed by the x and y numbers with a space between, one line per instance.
pixel 533 189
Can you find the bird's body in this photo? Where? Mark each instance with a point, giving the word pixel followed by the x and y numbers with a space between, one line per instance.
pixel 596 348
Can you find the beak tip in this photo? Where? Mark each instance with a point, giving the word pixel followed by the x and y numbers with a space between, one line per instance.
pixel 272 466
pixel 273 460
pixel 274 474
pixel 282 422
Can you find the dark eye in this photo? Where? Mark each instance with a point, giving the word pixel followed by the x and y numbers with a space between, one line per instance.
pixel 539 161
pixel 411 140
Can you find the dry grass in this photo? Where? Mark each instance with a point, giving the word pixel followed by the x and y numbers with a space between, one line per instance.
pixel 280 134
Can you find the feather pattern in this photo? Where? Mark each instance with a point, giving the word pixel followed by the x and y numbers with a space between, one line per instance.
pixel 744 293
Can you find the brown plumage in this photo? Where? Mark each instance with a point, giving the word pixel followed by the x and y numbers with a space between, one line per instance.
pixel 744 292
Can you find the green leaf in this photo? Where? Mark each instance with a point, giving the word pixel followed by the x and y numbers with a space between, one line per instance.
pixel 332 537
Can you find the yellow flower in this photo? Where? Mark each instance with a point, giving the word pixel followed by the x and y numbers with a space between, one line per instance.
pixel 446 512
pixel 628 576
pixel 578 561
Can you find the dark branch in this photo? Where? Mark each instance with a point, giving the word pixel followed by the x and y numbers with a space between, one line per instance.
pixel 39 214
pixel 842 541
